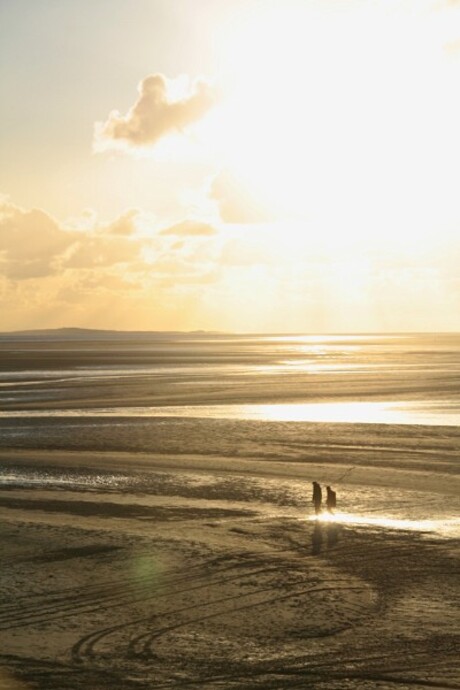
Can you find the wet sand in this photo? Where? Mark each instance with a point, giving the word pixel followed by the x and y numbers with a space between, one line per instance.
pixel 183 553
pixel 211 572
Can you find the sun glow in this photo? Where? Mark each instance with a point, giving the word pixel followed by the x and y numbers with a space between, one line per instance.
pixel 276 166
pixel 318 122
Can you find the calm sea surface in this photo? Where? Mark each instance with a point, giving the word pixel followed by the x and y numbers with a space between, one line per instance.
pixel 395 379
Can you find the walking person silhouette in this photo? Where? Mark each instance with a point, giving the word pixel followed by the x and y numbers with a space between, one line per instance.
pixel 331 499
pixel 317 498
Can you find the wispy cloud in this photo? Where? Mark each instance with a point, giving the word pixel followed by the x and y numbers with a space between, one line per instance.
pixel 125 225
pixel 189 228
pixel 236 203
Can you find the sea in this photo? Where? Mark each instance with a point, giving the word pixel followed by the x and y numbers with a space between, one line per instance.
pixel 373 378
pixel 384 406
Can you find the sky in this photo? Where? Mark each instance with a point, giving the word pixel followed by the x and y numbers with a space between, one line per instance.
pixel 234 165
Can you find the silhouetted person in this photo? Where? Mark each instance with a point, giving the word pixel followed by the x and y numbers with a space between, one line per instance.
pixel 317 498
pixel 331 499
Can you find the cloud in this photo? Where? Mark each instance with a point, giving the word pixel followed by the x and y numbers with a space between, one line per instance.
pixel 124 225
pixel 155 114
pixel 86 286
pixel 99 250
pixel 35 245
pixel 94 276
pixel 189 228
pixel 171 271
pixel 93 273
pixel 106 245
pixel 236 202
pixel 31 242
pixel 241 252
pixel 84 263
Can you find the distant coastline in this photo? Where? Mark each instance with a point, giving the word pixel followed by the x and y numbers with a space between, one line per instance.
pixel 77 333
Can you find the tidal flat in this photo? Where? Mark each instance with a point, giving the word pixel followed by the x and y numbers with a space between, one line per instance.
pixel 149 550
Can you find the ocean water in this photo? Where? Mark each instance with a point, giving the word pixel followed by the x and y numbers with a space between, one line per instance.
pixel 383 379
pixel 386 406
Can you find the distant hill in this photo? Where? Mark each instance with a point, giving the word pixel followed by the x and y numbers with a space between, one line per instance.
pixel 99 334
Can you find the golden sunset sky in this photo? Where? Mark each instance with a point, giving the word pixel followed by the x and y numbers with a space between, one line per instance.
pixel 242 165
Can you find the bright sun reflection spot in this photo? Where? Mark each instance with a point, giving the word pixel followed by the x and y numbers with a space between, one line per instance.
pixel 447 526
pixel 305 366
pixel 351 412
pixel 346 412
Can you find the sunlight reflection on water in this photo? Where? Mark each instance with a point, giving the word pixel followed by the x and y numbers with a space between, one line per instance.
pixel 445 526
pixel 431 414
pixel 357 412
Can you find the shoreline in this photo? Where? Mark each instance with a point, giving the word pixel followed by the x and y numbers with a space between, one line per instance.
pixel 141 462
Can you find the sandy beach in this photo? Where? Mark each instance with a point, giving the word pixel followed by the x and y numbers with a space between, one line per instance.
pixel 173 552
pixel 205 576
pixel 229 273
pixel 229 280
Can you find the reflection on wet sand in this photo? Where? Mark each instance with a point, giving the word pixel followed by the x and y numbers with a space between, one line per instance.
pixel 386 412
pixel 324 530
pixel 447 526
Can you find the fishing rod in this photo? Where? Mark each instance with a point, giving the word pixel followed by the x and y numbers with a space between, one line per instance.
pixel 344 474
pixel 347 471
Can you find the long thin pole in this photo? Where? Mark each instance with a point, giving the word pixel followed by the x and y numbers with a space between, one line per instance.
pixel 344 474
